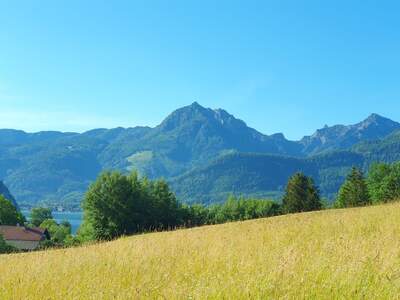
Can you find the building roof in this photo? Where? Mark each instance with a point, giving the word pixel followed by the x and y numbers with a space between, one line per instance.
pixel 22 233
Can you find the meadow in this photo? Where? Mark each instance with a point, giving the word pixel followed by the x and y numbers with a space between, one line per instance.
pixel 332 254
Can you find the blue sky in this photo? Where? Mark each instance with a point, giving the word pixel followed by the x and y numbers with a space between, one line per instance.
pixel 282 66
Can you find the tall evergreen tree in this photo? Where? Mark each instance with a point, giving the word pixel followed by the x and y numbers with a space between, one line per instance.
pixel 301 195
pixel 354 191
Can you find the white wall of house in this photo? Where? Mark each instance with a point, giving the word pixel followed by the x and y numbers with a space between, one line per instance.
pixel 23 245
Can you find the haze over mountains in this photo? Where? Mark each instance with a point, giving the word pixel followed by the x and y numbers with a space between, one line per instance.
pixel 205 154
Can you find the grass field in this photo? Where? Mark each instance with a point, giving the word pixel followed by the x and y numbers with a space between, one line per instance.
pixel 335 254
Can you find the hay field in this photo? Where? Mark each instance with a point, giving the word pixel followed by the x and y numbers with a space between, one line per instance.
pixel 334 254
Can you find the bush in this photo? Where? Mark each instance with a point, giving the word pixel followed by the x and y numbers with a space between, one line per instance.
pixel 59 233
pixel 4 247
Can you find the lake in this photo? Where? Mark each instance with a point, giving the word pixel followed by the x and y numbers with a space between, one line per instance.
pixel 75 218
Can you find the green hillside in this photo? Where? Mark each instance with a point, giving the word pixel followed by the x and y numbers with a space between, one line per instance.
pixel 188 148
pixel 262 175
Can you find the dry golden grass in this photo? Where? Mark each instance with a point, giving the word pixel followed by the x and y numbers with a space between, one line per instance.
pixel 336 254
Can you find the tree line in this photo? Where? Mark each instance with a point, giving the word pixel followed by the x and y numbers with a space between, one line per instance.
pixel 381 185
pixel 117 204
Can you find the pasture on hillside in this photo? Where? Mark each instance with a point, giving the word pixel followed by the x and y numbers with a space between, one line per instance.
pixel 348 253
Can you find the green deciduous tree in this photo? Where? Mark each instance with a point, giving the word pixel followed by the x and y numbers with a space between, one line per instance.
pixel 39 215
pixel 376 175
pixel 301 195
pixel 354 191
pixel 240 209
pixel 59 233
pixel 108 206
pixel 195 215
pixel 9 215
pixel 165 207
pixel 116 205
pixel 384 182
pixel 49 224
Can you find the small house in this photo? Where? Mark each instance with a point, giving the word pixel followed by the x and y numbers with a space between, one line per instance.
pixel 23 238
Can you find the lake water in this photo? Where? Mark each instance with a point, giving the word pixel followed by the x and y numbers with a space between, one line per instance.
pixel 75 218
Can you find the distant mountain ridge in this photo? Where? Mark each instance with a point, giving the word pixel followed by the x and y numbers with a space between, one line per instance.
pixel 344 137
pixel 55 168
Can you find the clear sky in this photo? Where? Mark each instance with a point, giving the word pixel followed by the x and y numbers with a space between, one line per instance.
pixel 281 66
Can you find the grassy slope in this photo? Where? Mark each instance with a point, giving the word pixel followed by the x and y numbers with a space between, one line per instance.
pixel 353 253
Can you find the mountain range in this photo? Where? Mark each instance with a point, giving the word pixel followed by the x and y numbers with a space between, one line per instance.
pixel 205 154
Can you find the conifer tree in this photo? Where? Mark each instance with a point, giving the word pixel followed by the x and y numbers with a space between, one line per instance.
pixel 354 192
pixel 301 195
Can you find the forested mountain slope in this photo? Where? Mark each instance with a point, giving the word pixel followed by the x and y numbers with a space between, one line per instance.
pixel 262 175
pixel 55 168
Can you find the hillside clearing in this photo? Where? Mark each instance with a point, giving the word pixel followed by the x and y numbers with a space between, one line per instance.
pixel 352 253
